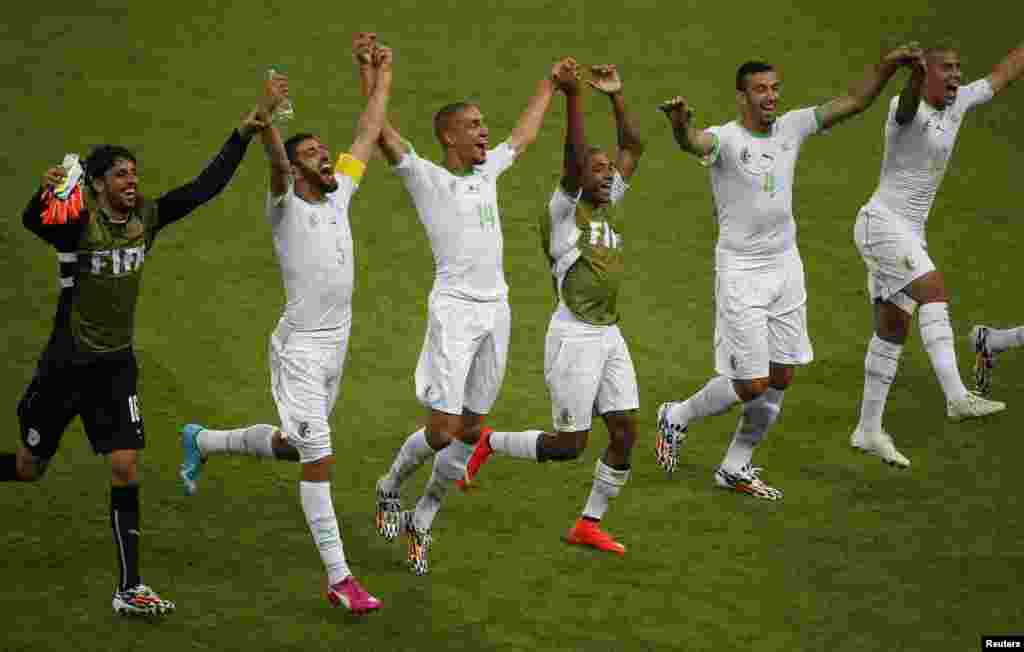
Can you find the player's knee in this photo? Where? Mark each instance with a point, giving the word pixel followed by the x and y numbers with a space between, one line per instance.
pixel 566 446
pixel 30 468
pixel 748 390
pixel 124 468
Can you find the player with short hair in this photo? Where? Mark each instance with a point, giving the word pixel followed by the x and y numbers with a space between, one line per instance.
pixel 88 368
pixel 462 364
pixel 308 209
pixel 920 132
pixel 587 364
pixel 760 295
pixel 987 342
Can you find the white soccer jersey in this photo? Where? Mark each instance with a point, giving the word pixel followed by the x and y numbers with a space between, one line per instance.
pixel 461 217
pixel 752 181
pixel 565 233
pixel 313 243
pixel 916 154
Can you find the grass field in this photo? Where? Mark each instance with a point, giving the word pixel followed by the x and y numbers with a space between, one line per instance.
pixel 857 556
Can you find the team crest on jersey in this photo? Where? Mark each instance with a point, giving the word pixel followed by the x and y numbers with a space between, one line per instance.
pixel 33 437
pixel 303 429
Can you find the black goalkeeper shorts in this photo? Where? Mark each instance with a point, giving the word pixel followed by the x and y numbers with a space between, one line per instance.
pixel 102 391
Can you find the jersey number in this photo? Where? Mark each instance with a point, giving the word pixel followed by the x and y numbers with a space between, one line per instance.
pixel 488 216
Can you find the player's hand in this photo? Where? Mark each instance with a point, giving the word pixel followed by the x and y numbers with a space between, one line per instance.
pixel 558 69
pixel 605 78
pixel 275 91
pixel 383 57
pixel 53 177
pixel 254 122
pixel 678 111
pixel 908 54
pixel 363 44
pixel 566 76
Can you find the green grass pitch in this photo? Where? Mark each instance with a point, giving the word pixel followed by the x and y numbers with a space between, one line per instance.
pixel 857 556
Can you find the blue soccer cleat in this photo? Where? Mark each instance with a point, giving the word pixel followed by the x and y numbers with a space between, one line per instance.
pixel 192 460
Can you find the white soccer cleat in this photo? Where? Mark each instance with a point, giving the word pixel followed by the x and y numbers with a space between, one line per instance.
pixel 984 360
pixel 747 481
pixel 671 435
pixel 880 444
pixel 972 406
pixel 140 600
pixel 388 517
pixel 419 545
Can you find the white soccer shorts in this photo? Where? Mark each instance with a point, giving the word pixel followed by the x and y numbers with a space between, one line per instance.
pixel 894 254
pixel 761 318
pixel 465 350
pixel 305 375
pixel 588 371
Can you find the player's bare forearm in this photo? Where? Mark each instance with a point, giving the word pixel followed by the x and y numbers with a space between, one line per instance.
pixel 371 122
pixel 367 78
pixel 280 168
pixel 910 97
pixel 532 118
pixel 391 143
pixel 575 143
pixel 631 143
pixel 1008 70
pixel 861 95
pixel 693 140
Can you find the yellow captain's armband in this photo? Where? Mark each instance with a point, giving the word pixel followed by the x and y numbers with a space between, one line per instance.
pixel 350 166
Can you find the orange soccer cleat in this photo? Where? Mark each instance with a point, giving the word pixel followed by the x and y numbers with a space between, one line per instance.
pixel 482 451
pixel 589 533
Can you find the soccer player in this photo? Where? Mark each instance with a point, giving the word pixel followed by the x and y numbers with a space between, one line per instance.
pixel 760 297
pixel 987 343
pixel 587 364
pixel 462 364
pixel 920 132
pixel 308 211
pixel 88 368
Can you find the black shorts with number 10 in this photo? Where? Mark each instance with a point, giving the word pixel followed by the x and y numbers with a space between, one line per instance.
pixel 101 389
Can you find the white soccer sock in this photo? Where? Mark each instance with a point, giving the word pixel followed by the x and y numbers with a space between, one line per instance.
pixel 880 365
pixel 758 416
pixel 517 444
pixel 608 482
pixel 713 399
pixel 413 453
pixel 323 524
pixel 253 440
pixel 1000 340
pixel 449 466
pixel 937 336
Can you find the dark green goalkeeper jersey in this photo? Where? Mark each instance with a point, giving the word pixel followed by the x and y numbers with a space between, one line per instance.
pixel 101 261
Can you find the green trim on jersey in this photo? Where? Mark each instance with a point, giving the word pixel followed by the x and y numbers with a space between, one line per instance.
pixel 108 277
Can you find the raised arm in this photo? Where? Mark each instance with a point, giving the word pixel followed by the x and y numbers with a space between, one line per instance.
pixel 391 143
pixel 276 90
pixel 631 145
pixel 530 121
pixel 910 97
pixel 689 138
pixel 372 120
pixel 863 93
pixel 181 201
pixel 575 138
pixel 1008 70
